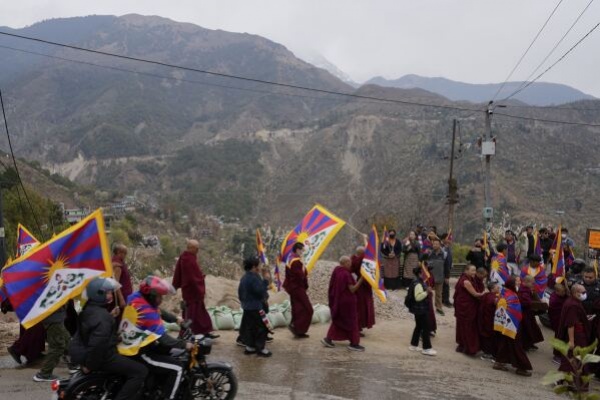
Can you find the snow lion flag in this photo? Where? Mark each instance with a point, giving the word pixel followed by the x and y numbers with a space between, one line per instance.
pixel 508 314
pixel 140 326
pixel 25 241
pixel 41 281
pixel 370 270
pixel 315 231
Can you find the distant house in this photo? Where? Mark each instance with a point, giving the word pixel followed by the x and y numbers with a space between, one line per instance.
pixel 74 215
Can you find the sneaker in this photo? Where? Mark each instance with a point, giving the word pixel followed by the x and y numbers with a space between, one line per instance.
pixel 14 355
pixel 487 357
pixel 523 372
pixel 414 348
pixel 429 352
pixel 302 336
pixel 240 343
pixel 264 353
pixel 212 335
pixel 356 347
pixel 73 368
pixel 39 377
pixel 533 348
pixel 556 360
pixel 500 367
pixel 441 312
pixel 269 339
pixel 449 305
pixel 250 350
pixel 432 333
pixel 327 342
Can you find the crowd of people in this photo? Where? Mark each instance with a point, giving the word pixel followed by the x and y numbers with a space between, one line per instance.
pixel 510 272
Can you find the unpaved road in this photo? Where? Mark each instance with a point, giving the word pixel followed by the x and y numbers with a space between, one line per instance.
pixel 303 369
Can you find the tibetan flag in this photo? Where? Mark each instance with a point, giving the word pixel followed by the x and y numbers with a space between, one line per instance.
pixel 315 231
pixel 596 266
pixel 538 246
pixel 500 272
pixel 486 246
pixel 558 263
pixel 369 268
pixel 3 295
pixel 385 238
pixel 539 275
pixel 260 248
pixel 25 241
pixel 43 280
pixel 140 326
pixel 557 238
pixel 508 314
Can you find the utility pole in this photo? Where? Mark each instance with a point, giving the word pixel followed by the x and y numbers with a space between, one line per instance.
pixel 452 184
pixel 488 149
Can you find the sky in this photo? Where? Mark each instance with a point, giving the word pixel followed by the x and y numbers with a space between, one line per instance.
pixel 476 41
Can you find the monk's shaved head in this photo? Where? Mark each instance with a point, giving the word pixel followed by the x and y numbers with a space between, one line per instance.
pixel 345 262
pixel 577 289
pixel 192 245
pixel 360 250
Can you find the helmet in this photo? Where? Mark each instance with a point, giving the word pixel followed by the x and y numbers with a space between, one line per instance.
pixel 153 285
pixel 98 287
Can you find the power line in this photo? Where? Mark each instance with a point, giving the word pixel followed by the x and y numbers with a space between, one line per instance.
pixel 557 44
pixel 550 107
pixel 236 77
pixel 554 121
pixel 527 50
pixel 552 66
pixel 17 168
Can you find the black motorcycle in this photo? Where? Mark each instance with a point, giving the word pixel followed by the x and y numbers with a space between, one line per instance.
pixel 200 379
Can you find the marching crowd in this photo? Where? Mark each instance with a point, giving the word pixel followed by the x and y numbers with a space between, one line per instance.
pixel 513 272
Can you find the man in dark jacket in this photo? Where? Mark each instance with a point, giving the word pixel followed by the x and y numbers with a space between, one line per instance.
pixel 253 293
pixel 94 345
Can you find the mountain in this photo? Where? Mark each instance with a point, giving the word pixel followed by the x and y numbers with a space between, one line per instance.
pixel 319 61
pixel 265 155
pixel 538 94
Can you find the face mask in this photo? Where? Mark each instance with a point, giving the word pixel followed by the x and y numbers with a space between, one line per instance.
pixel 564 236
pixel 583 296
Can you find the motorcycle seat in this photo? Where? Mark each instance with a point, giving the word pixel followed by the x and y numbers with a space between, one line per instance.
pixel 177 352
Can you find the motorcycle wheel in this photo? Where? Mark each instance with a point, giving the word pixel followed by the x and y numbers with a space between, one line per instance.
pixel 91 390
pixel 220 384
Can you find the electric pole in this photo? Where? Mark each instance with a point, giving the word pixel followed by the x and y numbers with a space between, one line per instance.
pixel 452 184
pixel 488 149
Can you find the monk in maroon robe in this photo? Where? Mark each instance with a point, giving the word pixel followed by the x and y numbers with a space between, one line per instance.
pixel 479 280
pixel 574 327
pixel 190 278
pixel 364 294
pixel 296 285
pixel 509 350
pixel 530 330
pixel 485 321
pixel 344 308
pixel 466 306
pixel 557 301
pixel 30 343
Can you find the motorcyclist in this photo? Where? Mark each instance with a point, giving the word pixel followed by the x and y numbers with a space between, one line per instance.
pixel 155 352
pixel 94 345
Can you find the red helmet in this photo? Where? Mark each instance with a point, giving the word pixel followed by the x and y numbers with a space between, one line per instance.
pixel 153 285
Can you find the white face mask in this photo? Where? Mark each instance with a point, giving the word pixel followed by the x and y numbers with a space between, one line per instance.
pixel 564 235
pixel 583 296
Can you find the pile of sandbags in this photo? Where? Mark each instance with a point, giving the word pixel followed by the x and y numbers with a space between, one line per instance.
pixel 280 315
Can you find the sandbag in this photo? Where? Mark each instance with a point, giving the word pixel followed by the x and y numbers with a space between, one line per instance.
pixel 286 310
pixel 276 318
pixel 322 312
pixel 315 317
pixel 224 318
pixel 237 319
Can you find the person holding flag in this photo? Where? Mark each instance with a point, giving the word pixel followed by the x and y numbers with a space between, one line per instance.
pixel 507 321
pixel 500 270
pixel 343 305
pixel 364 294
pixel 537 270
pixel 94 345
pixel 296 285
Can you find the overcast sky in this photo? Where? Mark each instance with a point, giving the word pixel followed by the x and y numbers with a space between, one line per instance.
pixel 475 41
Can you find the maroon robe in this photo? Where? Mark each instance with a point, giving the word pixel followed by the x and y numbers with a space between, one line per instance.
pixel 343 305
pixel 485 322
pixel 465 311
pixel 125 278
pixel 31 342
pixel 478 284
pixel 573 315
pixel 364 297
pixel 530 330
pixel 554 310
pixel 296 285
pixel 511 351
pixel 189 277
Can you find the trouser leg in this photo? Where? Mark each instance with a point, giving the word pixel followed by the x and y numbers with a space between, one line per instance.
pixel 135 373
pixel 425 333
pixel 168 366
pixel 57 337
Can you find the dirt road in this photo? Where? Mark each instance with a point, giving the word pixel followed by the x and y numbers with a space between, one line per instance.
pixel 303 369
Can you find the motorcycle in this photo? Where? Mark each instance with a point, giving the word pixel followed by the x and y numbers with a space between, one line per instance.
pixel 200 379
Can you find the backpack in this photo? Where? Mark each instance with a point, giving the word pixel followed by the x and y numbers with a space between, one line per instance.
pixel 410 301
